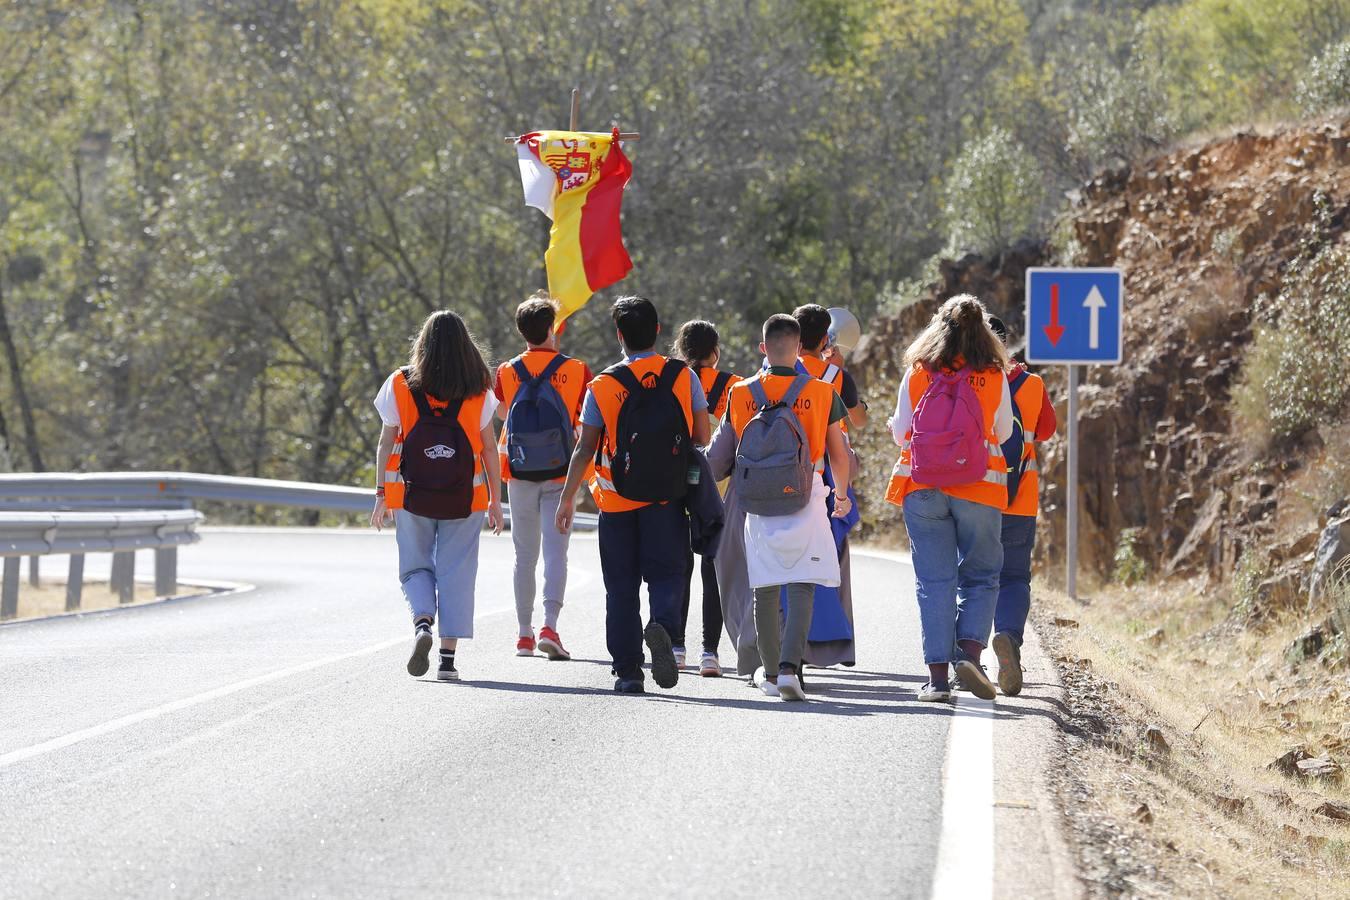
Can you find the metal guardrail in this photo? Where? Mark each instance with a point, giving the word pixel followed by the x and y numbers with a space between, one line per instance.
pixel 33 534
pixel 144 490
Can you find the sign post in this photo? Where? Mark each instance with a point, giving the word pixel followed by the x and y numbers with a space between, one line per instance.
pixel 1075 317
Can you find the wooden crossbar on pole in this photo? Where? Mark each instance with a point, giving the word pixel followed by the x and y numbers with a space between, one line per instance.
pixel 573 120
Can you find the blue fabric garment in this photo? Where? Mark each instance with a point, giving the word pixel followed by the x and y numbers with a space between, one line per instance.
pixel 636 546
pixel 957 554
pixel 1014 583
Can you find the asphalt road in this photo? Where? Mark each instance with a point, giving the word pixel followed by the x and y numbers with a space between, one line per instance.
pixel 270 744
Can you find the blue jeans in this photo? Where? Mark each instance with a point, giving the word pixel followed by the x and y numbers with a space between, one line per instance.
pixel 646 544
pixel 438 568
pixel 957 556
pixel 1014 584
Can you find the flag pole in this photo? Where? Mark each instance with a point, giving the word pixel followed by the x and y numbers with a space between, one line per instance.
pixel 574 119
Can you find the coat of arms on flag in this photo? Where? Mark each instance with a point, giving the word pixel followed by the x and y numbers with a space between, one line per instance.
pixel 577 180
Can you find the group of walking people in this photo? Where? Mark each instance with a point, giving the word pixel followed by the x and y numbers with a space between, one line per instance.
pixel 754 475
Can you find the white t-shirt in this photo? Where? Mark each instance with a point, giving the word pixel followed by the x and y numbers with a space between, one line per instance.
pixel 387 406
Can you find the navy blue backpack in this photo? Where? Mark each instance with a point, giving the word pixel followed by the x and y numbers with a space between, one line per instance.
pixel 539 433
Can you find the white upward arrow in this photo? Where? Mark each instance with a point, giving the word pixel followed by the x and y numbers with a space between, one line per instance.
pixel 1094 303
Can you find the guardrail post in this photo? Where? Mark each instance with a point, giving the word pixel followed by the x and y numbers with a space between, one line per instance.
pixel 166 571
pixel 75 583
pixel 34 571
pixel 9 594
pixel 123 579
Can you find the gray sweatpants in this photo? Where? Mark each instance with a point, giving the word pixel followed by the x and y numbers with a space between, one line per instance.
pixel 438 568
pixel 534 505
pixel 769 624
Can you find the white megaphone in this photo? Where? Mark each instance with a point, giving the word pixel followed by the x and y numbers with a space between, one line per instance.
pixel 845 332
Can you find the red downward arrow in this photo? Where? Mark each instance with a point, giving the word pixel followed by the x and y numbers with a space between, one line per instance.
pixel 1054 331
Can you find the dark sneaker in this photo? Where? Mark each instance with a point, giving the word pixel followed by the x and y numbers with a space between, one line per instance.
pixel 447 671
pixel 420 660
pixel 974 679
pixel 665 672
pixel 1009 663
pixel 629 686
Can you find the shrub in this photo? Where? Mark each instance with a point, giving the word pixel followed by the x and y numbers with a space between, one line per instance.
pixel 1122 113
pixel 1253 567
pixel 1326 84
pixel 993 196
pixel 1293 377
pixel 1130 568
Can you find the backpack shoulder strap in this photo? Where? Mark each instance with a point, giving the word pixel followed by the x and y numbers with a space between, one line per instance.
pixel 624 376
pixel 419 397
pixel 1016 384
pixel 756 386
pixel 670 373
pixel 719 387
pixel 522 373
pixel 554 365
pixel 794 390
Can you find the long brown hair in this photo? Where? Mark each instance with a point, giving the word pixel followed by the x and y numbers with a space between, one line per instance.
pixel 446 361
pixel 958 336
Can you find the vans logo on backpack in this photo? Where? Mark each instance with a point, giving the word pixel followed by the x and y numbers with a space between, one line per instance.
pixel 439 451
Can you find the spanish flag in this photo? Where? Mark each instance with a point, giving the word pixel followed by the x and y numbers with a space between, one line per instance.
pixel 577 180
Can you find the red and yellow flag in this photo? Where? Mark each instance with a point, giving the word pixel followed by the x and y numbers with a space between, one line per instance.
pixel 577 180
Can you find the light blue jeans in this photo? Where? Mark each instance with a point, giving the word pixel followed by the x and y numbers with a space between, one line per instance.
pixel 438 566
pixel 957 550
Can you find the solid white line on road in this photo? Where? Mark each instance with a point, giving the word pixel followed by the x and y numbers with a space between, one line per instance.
pixel 965 862
pixel 84 734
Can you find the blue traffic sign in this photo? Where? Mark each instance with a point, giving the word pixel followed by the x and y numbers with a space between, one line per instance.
pixel 1074 316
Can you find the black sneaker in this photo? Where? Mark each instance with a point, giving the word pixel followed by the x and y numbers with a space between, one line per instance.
pixel 447 671
pixel 420 661
pixel 1009 663
pixel 973 678
pixel 630 685
pixel 665 672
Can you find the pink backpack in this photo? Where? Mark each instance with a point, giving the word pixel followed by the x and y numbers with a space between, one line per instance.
pixel 948 434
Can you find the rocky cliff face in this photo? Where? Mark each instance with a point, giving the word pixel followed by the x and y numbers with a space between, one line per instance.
pixel 1200 233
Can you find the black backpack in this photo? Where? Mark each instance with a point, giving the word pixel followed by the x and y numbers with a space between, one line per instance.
pixel 538 426
pixel 437 462
pixel 1013 446
pixel 652 446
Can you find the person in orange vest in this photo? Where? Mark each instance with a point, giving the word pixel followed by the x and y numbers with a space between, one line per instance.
pixel 536 489
pixel 1035 422
pixel 814 320
pixel 438 480
pixel 697 343
pixel 641 421
pixel 788 540
pixel 952 415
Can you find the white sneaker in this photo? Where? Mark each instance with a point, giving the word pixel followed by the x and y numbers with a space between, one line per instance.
pixel 790 688
pixel 709 666
pixel 930 694
pixel 769 688
pixel 679 657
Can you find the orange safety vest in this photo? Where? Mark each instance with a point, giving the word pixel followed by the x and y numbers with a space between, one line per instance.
pixel 470 419
pixel 717 406
pixel 609 397
pixel 993 490
pixel 1028 399
pixel 812 408
pixel 831 375
pixel 569 381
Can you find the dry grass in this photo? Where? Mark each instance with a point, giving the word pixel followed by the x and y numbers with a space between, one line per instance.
pixel 50 598
pixel 1227 704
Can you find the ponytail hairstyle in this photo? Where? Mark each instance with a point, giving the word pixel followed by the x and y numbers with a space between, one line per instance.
pixel 958 336
pixel 446 361
pixel 696 341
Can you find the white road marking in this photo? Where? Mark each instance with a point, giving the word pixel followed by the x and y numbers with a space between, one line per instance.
pixel 84 734
pixel 965 861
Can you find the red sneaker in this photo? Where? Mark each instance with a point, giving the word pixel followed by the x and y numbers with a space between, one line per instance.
pixel 551 645
pixel 525 646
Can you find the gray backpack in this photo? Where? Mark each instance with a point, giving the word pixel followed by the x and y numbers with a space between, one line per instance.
pixel 773 458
